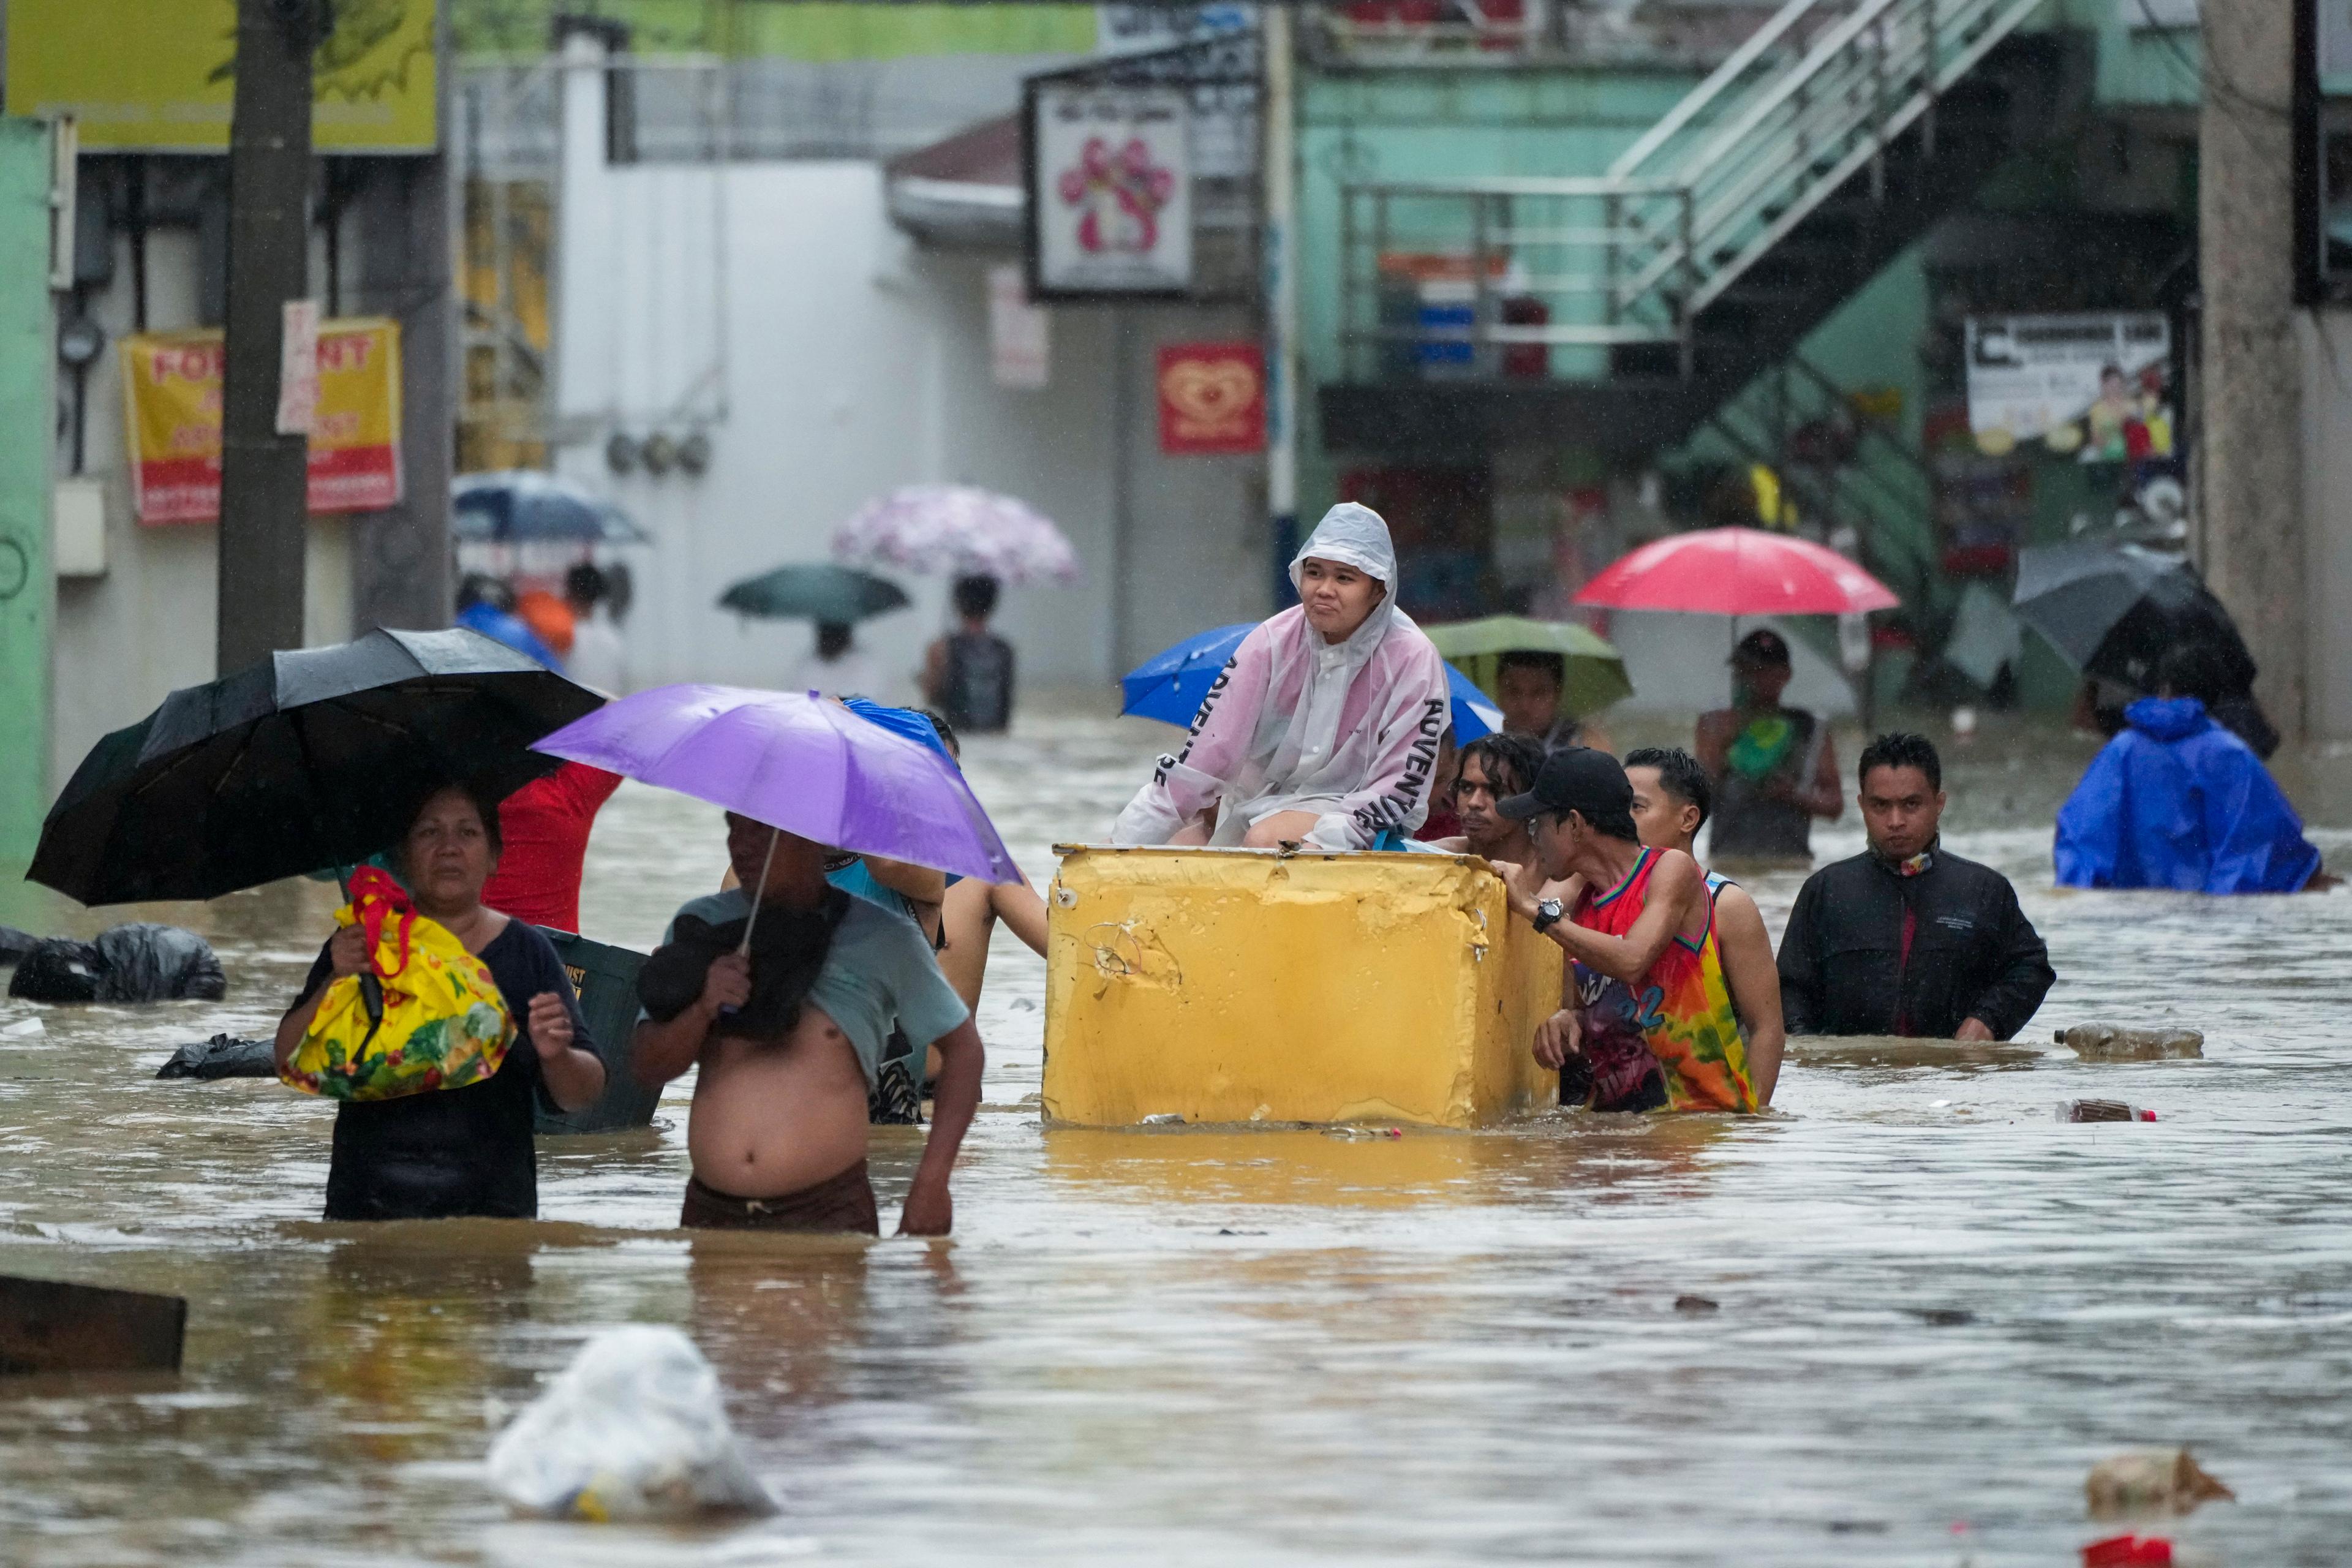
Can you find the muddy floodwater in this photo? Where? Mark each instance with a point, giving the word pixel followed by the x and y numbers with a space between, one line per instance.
pixel 1934 1306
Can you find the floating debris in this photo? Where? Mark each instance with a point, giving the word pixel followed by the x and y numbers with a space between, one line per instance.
pixel 2107 1043
pixel 634 1428
pixel 2102 1111
pixel 2151 1481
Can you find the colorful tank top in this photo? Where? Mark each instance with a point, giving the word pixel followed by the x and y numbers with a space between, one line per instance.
pixel 1680 1015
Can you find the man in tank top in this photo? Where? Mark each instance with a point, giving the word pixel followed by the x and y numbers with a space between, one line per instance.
pixel 1649 1013
pixel 1773 768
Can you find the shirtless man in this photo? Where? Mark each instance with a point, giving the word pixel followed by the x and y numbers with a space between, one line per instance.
pixel 1671 799
pixel 777 1131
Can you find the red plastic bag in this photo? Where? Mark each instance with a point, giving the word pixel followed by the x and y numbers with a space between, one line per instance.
pixel 2129 1552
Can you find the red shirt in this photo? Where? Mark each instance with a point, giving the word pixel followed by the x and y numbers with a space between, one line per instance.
pixel 545 826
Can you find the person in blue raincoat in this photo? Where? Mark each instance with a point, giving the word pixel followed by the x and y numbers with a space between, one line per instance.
pixel 2176 801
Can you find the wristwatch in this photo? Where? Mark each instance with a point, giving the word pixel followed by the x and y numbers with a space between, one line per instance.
pixel 1548 915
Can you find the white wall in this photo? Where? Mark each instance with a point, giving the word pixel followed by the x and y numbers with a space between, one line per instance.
pixel 2326 341
pixel 843 361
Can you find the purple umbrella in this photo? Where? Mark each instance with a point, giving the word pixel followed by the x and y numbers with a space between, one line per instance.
pixel 799 763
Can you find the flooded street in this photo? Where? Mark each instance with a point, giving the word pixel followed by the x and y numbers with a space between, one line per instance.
pixel 1937 1305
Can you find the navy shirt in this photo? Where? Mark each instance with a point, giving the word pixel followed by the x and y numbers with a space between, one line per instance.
pixel 453 1152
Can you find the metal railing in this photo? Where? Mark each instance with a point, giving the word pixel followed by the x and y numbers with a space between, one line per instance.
pixel 1843 470
pixel 1811 99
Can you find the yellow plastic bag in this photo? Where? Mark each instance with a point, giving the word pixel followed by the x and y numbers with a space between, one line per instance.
pixel 425 1015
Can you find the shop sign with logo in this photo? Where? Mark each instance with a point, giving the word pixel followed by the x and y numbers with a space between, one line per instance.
pixel 1212 399
pixel 1110 208
pixel 172 397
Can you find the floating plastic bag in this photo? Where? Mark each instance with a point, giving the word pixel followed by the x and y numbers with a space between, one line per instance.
pixel 147 962
pixel 633 1430
pixel 222 1055
pixel 425 1014
pixel 136 963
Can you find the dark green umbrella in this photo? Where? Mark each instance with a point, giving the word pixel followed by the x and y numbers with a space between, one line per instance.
pixel 815 591
pixel 306 759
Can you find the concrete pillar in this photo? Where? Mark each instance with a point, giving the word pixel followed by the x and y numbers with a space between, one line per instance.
pixel 2250 392
pixel 399 557
pixel 264 510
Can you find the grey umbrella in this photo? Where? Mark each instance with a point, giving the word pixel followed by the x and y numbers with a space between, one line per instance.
pixel 2113 609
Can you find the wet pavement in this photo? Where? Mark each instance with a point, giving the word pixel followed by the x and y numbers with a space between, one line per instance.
pixel 1933 1305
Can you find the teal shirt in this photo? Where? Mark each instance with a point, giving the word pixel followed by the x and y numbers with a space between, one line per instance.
pixel 879 968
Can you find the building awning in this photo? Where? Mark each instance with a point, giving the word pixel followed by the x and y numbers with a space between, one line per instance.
pixel 962 193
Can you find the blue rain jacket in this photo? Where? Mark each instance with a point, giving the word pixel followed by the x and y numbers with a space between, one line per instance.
pixel 2176 801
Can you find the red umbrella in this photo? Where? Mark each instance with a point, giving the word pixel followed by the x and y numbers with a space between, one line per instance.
pixel 1738 572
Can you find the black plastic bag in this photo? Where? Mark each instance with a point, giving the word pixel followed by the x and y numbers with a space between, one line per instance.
pixel 59 969
pixel 788 950
pixel 222 1055
pixel 15 945
pixel 134 963
pixel 146 963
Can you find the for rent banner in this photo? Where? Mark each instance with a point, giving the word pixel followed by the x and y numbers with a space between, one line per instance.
pixel 172 393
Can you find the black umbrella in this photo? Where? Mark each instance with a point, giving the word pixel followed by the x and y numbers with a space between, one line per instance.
pixel 2114 609
pixel 816 591
pixel 308 760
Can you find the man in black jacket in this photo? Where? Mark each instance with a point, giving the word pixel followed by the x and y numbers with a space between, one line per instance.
pixel 1908 938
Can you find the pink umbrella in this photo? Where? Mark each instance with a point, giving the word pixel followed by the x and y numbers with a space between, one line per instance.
pixel 1738 572
pixel 956 529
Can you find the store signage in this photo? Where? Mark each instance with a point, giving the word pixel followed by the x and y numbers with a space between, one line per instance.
pixel 2075 381
pixel 159 75
pixel 1111 207
pixel 1212 399
pixel 172 397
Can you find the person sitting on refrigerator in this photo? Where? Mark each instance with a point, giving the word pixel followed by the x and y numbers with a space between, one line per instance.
pixel 1324 727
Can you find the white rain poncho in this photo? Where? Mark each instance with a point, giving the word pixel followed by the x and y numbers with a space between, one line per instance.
pixel 1293 723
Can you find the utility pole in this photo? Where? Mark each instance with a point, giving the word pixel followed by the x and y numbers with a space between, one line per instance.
pixel 265 480
pixel 2250 392
pixel 1279 179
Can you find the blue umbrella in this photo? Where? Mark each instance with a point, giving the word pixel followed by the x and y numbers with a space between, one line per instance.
pixel 1169 685
pixel 521 506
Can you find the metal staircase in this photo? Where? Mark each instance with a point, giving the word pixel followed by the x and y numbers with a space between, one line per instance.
pixel 1622 310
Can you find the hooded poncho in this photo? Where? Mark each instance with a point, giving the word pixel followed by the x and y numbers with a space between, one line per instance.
pixel 1347 731
pixel 2176 801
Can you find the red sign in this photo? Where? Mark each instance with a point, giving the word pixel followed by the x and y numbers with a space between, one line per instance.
pixel 1212 399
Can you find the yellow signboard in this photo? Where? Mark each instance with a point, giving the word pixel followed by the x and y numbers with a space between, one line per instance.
pixel 171 413
pixel 159 75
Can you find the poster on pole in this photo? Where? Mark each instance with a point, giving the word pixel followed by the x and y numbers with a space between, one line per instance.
pixel 2080 383
pixel 1020 335
pixel 1110 176
pixel 172 418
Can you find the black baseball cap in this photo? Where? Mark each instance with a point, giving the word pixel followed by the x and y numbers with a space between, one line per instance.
pixel 1574 778
pixel 1762 648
